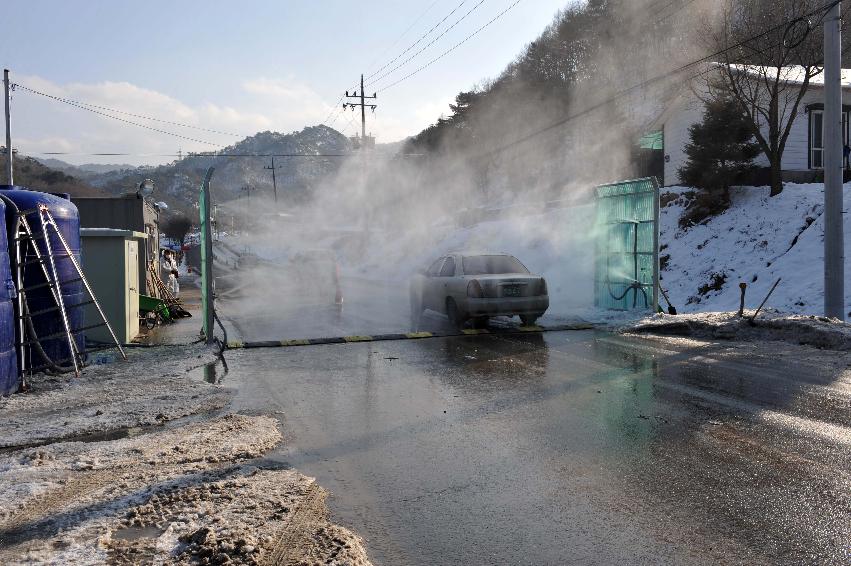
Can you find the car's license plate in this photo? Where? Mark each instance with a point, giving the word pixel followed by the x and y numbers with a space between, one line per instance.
pixel 512 291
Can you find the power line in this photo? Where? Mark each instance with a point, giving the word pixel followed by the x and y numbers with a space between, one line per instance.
pixel 87 104
pixel 74 104
pixel 451 49
pixel 422 37
pixel 190 154
pixel 335 111
pixel 404 33
pixel 573 116
pixel 429 44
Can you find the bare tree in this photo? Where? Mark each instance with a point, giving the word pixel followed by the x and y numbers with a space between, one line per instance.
pixel 771 51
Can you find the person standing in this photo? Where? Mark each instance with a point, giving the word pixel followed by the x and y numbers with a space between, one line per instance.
pixel 170 268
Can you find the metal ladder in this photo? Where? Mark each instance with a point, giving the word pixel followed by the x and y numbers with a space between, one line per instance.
pixel 27 252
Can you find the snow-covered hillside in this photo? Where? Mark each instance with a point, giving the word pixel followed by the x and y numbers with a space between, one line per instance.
pixel 756 241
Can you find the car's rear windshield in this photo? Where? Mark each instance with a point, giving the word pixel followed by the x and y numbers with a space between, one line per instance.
pixel 491 265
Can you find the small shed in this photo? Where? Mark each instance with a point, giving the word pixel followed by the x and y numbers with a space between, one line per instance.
pixel 129 212
pixel 111 264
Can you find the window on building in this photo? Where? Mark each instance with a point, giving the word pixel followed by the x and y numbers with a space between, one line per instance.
pixel 817 137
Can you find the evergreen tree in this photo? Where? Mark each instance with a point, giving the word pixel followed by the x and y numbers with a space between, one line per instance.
pixel 720 153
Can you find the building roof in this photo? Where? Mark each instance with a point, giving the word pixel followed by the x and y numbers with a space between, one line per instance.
pixel 793 74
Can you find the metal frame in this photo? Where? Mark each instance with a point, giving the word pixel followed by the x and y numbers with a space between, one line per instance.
pixel 23 232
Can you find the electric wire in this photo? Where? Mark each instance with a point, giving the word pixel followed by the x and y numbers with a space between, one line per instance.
pixel 660 77
pixel 422 37
pixel 107 109
pixel 398 39
pixel 451 49
pixel 429 44
pixel 137 124
pixel 337 111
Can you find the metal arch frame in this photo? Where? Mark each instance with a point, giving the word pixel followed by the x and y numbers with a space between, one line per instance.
pixel 23 232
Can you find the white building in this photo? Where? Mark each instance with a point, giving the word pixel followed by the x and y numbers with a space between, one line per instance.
pixel 802 158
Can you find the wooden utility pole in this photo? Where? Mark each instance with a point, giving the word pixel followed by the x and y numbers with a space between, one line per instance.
pixel 363 106
pixel 274 180
pixel 9 152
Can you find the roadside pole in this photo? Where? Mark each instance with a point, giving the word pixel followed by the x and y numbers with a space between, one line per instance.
pixel 9 152
pixel 834 254
pixel 207 300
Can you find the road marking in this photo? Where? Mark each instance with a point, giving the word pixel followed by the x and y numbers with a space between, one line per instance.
pixel 236 344
pixel 415 335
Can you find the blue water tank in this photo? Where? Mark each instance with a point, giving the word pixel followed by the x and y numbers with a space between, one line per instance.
pixel 8 358
pixel 73 292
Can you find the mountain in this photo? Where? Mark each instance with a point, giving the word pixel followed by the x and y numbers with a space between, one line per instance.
pixel 237 166
pixel 86 169
pixel 33 174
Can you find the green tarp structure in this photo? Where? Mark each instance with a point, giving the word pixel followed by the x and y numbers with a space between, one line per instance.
pixel 627 245
pixel 652 140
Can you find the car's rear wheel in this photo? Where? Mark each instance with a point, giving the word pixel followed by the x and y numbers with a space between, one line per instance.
pixel 456 319
pixel 529 319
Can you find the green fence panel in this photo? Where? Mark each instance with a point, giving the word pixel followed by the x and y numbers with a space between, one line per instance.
pixel 627 245
pixel 206 258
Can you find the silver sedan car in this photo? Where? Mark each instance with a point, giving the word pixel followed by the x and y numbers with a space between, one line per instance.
pixel 476 286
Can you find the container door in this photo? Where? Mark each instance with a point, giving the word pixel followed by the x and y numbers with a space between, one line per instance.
pixel 132 320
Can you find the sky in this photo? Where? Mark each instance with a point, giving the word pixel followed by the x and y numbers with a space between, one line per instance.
pixel 243 67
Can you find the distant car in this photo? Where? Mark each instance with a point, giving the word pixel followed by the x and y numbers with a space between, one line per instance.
pixel 468 286
pixel 318 274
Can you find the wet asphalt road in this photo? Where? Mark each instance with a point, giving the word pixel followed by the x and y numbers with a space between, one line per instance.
pixel 567 447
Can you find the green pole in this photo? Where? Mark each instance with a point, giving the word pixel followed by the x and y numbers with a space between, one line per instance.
pixel 206 258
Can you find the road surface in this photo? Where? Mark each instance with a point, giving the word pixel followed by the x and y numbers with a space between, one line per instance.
pixel 568 447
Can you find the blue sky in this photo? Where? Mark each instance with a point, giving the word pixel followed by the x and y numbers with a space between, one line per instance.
pixel 240 66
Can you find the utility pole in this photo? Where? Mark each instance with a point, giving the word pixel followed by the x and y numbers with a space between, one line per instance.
pixel 834 253
pixel 9 152
pixel 274 180
pixel 363 106
pixel 247 190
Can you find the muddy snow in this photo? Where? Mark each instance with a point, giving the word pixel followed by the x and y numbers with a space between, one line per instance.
pixel 771 325
pixel 140 462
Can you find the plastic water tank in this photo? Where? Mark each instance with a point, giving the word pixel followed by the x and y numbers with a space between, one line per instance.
pixel 73 292
pixel 8 357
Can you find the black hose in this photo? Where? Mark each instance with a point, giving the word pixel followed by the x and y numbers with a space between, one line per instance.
pixel 31 333
pixel 635 286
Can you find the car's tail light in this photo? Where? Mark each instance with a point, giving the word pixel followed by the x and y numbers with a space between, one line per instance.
pixel 542 288
pixel 474 289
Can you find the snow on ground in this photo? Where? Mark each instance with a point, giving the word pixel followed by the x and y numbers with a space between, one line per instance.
pixel 756 241
pixel 104 469
pixel 181 496
pixel 770 324
pixel 150 389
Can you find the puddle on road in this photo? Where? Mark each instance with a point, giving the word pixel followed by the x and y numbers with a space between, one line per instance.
pixel 136 533
pixel 211 372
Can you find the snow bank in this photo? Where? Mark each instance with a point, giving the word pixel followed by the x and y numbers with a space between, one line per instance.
pixel 810 330
pixel 756 241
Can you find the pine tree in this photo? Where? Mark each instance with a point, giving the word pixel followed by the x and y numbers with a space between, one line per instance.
pixel 720 153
